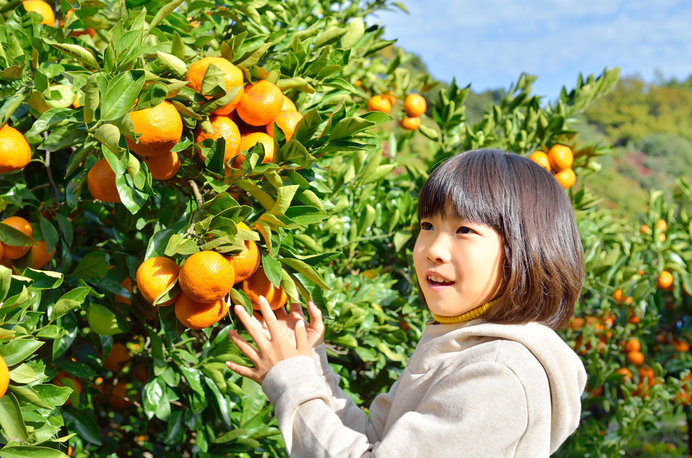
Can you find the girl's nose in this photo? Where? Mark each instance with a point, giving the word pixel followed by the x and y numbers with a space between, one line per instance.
pixel 439 249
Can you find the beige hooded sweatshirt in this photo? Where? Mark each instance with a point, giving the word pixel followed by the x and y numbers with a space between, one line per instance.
pixel 471 389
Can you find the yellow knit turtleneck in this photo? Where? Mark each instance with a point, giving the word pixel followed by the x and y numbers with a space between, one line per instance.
pixel 466 316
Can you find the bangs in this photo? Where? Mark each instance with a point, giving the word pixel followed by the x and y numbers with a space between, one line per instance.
pixel 471 185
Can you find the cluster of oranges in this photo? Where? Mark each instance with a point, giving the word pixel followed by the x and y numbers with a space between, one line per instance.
pixel 558 161
pixel 661 226
pixel 37 251
pixel 247 120
pixel 205 279
pixel 414 106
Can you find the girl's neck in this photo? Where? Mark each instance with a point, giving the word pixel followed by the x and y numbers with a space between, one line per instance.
pixel 466 316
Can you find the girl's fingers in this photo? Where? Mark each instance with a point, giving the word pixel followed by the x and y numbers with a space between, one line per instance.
pixel 316 323
pixel 252 326
pixel 241 370
pixel 245 348
pixel 302 344
pixel 269 317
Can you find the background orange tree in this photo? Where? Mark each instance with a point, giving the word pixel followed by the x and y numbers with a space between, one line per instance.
pixel 94 368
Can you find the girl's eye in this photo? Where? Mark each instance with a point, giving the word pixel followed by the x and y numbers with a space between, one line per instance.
pixel 465 230
pixel 425 226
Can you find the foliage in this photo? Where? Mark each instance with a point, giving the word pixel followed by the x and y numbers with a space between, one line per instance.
pixel 334 216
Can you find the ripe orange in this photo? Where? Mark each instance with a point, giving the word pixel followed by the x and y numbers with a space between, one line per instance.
pixel 117 395
pixel 164 166
pixel 251 140
pixel 287 122
pixel 560 157
pixel 626 373
pixel 101 182
pixel 664 280
pixel 4 377
pixel 662 236
pixel 647 372
pixel 233 78
pixel 541 158
pixel 222 127
pixel 379 103
pixel 681 345
pixel 199 315
pixel 22 225
pixel 415 105
pixel 15 152
pixel 154 276
pixel 617 295
pixel 261 103
pixel 259 285
pixel 161 128
pixel 635 357
pixel 127 284
pixel 40 255
pixel 206 276
pixel 412 123
pixel 566 178
pixel 42 8
pixel 288 105
pixel 390 96
pixel 247 261
pixel 644 229
pixel 661 225
pixel 632 345
pixel 118 358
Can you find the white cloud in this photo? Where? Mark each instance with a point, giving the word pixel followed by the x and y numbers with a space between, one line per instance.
pixel 489 43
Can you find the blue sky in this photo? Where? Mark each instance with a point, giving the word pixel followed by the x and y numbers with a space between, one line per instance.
pixel 489 43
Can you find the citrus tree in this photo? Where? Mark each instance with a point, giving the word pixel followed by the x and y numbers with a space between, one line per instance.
pixel 177 157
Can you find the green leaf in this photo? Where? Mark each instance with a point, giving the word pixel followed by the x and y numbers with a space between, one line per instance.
pixel 156 401
pixel 354 32
pixel 305 269
pixel 5 282
pixel 86 425
pixel 283 199
pixel 78 52
pixel 167 9
pixel 121 94
pixel 70 300
pixel 109 135
pixel 331 34
pixel 172 63
pixel 31 451
pixel 12 236
pixel 16 351
pixel 11 419
pixel 93 265
pixel 272 269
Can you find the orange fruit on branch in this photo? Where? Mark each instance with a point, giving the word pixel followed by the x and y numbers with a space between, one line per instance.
pixel 4 377
pixel 23 226
pixel 233 77
pixel 644 229
pixel 560 157
pixel 118 358
pixel 566 178
pixel 127 284
pixel 250 140
pixel 154 276
pixel 40 255
pixel 379 103
pixel 664 280
pixel 101 182
pixel 199 315
pixel 632 345
pixel 164 166
pixel 247 261
pixel 288 105
pixel 261 103
pixel 222 127
pixel 635 357
pixel 259 285
pixel 42 8
pixel 206 276
pixel 287 121
pixel 541 158
pixel 412 123
pixel 15 152
pixel 415 105
pixel 161 128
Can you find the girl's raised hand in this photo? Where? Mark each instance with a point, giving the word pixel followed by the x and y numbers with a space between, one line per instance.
pixel 315 328
pixel 273 342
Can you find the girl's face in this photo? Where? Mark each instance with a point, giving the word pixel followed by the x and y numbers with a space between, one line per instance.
pixel 458 264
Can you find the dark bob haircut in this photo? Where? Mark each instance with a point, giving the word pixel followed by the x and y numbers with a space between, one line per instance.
pixel 543 266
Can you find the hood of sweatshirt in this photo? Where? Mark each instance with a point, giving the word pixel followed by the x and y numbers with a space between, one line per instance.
pixel 565 371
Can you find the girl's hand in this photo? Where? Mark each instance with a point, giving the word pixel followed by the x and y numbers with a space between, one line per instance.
pixel 288 320
pixel 271 348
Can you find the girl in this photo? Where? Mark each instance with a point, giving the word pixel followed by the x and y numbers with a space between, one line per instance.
pixel 499 264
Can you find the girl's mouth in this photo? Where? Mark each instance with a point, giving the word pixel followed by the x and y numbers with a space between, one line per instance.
pixel 434 280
